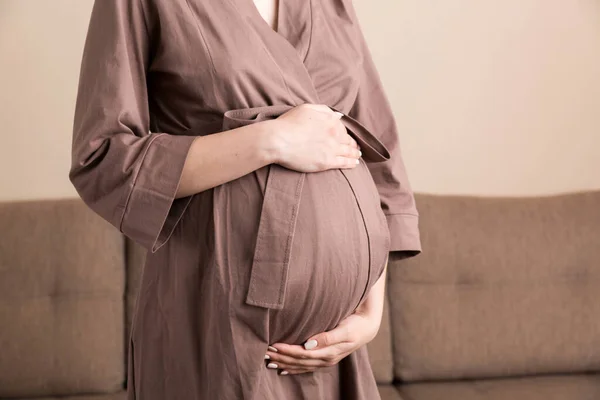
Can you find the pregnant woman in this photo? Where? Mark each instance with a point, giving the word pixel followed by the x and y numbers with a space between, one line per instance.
pixel 250 148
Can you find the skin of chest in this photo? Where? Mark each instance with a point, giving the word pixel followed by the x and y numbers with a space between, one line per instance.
pixel 268 9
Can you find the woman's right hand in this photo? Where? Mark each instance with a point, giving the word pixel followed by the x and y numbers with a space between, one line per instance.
pixel 311 138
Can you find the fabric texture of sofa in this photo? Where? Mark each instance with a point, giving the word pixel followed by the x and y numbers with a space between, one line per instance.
pixel 502 304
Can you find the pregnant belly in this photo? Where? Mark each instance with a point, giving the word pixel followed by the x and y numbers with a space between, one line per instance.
pixel 331 258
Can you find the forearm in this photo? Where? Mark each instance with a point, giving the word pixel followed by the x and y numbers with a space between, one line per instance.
pixel 221 157
pixel 373 304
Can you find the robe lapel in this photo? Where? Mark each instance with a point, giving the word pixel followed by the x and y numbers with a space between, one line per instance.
pixel 294 30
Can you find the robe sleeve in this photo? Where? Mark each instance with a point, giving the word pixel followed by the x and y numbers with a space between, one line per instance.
pixel 372 108
pixel 123 172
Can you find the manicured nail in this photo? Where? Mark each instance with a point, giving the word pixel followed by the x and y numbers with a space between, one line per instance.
pixel 272 365
pixel 311 344
pixel 357 161
pixel 267 357
pixel 273 349
pixel 359 153
pixel 283 373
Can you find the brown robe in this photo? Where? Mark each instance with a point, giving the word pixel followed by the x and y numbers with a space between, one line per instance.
pixel 274 256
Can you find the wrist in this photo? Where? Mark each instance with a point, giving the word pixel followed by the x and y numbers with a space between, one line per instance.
pixel 270 142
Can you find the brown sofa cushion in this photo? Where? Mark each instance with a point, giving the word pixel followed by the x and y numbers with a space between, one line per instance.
pixel 389 392
pixel 559 387
pixel 61 300
pixel 504 286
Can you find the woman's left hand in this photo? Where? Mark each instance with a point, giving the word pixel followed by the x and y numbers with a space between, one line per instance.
pixel 351 333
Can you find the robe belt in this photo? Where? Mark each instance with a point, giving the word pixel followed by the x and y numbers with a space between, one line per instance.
pixel 268 276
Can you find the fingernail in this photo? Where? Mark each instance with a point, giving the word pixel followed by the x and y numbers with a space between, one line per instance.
pixel 283 373
pixel 267 357
pixel 272 365
pixel 357 161
pixel 312 343
pixel 359 153
pixel 273 349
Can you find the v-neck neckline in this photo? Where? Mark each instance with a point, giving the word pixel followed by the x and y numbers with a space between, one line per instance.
pixel 284 29
pixel 278 17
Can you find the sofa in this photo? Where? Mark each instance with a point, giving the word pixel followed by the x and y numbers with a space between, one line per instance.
pixel 502 304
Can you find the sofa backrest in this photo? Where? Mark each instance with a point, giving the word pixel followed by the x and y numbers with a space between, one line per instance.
pixel 62 278
pixel 504 286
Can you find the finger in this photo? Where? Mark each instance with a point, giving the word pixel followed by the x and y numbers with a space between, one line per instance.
pixel 342 135
pixel 290 361
pixel 292 350
pixel 299 352
pixel 290 367
pixel 349 151
pixel 338 335
pixel 295 371
pixel 325 354
pixel 346 162
pixel 349 139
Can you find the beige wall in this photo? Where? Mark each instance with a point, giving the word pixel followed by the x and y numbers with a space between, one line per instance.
pixel 40 49
pixel 490 97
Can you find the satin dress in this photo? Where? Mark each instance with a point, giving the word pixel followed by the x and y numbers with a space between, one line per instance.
pixel 273 256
